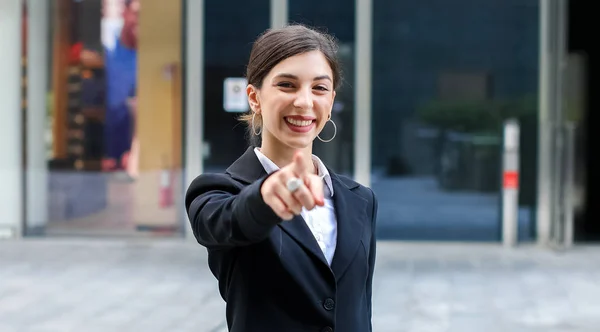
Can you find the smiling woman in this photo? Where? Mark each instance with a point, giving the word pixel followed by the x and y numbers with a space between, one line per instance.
pixel 270 222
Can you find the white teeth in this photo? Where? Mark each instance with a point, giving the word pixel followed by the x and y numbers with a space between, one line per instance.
pixel 299 123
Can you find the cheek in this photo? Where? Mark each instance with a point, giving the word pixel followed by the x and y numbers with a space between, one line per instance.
pixel 325 101
pixel 272 109
pixel 324 108
pixel 323 123
pixel 271 115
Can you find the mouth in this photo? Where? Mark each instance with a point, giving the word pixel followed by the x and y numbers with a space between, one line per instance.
pixel 300 125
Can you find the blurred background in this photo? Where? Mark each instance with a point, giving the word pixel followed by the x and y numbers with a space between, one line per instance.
pixel 113 106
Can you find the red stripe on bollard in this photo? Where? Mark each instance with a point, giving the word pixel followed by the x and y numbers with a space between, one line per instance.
pixel 511 180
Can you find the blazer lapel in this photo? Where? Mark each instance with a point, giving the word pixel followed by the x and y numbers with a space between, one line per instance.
pixel 351 215
pixel 299 231
pixel 247 168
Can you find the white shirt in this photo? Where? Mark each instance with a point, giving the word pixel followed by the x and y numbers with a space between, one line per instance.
pixel 320 220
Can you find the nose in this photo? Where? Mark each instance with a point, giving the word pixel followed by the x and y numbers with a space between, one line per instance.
pixel 304 99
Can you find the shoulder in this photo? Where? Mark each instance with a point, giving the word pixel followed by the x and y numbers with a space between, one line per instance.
pixel 211 182
pixel 363 191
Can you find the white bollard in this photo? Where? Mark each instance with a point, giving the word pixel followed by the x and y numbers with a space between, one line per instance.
pixel 510 183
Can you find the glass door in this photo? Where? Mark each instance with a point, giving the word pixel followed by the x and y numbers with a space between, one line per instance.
pixel 445 77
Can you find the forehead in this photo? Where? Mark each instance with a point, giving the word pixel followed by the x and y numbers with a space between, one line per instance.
pixel 307 64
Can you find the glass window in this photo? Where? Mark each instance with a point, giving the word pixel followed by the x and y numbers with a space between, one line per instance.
pixel 445 77
pixel 226 51
pixel 114 114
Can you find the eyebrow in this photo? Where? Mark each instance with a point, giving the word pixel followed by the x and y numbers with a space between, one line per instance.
pixel 292 76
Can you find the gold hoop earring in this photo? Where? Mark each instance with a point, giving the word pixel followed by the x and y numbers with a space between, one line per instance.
pixel 254 128
pixel 334 133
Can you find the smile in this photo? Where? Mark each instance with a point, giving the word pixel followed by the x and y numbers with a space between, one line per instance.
pixel 299 125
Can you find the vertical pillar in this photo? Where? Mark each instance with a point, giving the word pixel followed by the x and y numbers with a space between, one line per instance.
pixel 544 162
pixel 11 161
pixel 279 13
pixel 194 95
pixel 362 90
pixel 552 50
pixel 36 178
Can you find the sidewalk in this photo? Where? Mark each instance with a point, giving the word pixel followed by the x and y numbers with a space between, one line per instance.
pixel 164 285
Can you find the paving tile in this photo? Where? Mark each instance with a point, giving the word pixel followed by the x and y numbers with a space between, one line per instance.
pixel 71 285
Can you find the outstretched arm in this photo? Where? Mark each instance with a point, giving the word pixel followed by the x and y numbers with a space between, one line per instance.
pixel 224 214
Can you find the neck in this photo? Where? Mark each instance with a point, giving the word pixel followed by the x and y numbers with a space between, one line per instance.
pixel 283 155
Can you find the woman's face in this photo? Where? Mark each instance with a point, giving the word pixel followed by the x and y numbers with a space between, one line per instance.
pixel 295 100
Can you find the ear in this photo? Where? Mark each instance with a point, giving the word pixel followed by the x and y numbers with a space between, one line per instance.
pixel 253 99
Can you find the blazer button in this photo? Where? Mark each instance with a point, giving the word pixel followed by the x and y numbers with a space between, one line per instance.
pixel 328 304
pixel 327 329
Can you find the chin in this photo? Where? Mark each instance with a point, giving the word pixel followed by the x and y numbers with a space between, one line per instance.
pixel 298 142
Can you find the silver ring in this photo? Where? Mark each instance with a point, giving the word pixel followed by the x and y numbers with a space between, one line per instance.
pixel 293 184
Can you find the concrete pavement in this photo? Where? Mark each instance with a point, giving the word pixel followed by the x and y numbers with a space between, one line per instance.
pixel 164 285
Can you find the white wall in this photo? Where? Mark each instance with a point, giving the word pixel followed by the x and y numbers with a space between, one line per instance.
pixel 11 185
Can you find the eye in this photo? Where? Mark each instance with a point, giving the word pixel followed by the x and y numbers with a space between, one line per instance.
pixel 321 88
pixel 285 84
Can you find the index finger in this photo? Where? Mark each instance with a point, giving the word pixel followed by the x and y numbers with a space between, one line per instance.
pixel 298 166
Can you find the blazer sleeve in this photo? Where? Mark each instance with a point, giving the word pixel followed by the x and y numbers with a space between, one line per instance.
pixel 372 254
pixel 223 213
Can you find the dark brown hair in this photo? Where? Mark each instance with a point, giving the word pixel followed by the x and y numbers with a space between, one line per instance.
pixel 276 45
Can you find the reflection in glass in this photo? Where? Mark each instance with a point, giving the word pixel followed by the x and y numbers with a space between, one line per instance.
pixel 445 76
pixel 114 117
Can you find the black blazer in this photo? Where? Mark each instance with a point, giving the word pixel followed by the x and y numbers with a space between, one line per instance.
pixel 272 273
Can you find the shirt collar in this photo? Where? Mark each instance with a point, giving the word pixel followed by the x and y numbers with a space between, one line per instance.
pixel 270 167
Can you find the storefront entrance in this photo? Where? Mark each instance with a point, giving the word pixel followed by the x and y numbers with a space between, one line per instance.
pixel 419 114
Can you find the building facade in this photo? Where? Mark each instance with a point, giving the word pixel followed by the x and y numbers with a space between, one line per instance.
pixel 113 107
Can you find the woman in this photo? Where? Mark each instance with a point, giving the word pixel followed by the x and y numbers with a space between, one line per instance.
pixel 291 243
